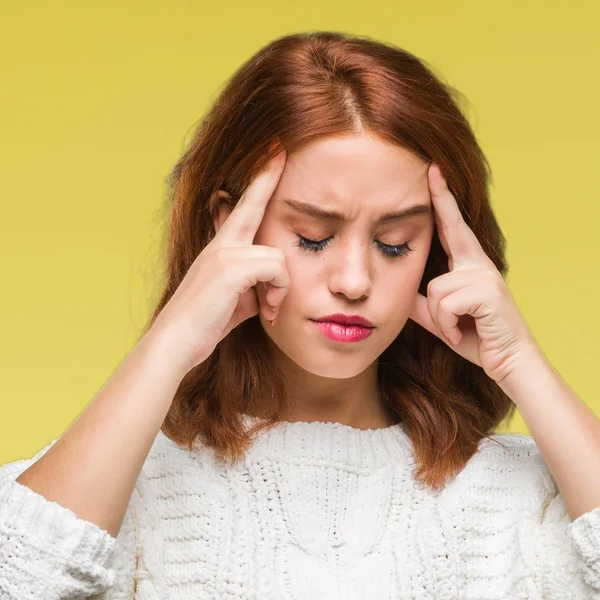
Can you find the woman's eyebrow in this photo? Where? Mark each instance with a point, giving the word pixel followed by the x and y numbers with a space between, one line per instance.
pixel 316 211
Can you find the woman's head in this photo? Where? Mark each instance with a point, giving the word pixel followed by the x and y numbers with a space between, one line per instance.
pixel 367 264
pixel 360 121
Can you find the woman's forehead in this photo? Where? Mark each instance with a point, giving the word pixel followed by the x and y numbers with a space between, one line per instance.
pixel 362 175
pixel 349 163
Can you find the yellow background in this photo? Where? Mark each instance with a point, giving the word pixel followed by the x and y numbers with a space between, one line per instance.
pixel 99 98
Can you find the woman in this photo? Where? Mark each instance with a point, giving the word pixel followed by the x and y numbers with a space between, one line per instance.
pixel 310 412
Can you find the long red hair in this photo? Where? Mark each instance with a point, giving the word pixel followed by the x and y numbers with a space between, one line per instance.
pixel 295 90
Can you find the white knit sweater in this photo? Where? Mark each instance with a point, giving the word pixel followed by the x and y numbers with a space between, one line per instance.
pixel 315 511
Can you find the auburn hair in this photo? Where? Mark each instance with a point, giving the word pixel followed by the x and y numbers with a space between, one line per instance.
pixel 295 90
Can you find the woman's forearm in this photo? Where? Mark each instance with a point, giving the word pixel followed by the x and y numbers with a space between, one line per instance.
pixel 93 467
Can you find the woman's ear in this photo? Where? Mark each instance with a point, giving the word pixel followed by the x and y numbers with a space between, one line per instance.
pixel 220 208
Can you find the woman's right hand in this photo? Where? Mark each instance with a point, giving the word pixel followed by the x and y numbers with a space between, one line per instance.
pixel 217 293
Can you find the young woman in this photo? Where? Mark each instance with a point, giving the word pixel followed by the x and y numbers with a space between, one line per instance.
pixel 310 412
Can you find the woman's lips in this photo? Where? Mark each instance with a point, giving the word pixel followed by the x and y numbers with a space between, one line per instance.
pixel 343 333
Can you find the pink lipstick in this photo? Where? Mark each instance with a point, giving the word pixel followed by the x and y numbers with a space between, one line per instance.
pixel 345 328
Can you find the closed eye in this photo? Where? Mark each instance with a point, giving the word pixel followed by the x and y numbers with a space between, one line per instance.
pixel 318 245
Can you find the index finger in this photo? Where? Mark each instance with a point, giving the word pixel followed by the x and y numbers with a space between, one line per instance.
pixel 459 241
pixel 241 225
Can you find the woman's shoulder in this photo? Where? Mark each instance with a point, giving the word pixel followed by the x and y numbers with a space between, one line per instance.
pixel 516 449
pixel 511 462
pixel 166 453
pixel 170 467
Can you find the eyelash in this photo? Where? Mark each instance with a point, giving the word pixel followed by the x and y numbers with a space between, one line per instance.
pixel 318 245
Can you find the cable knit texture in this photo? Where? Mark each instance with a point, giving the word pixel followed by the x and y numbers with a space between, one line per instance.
pixel 314 511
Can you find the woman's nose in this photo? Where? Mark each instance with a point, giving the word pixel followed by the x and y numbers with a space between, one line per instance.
pixel 351 273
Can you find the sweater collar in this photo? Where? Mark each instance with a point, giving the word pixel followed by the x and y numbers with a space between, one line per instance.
pixel 333 443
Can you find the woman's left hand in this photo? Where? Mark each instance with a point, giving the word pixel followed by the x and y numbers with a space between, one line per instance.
pixel 470 307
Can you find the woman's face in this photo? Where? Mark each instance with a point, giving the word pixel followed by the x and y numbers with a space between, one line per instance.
pixel 352 269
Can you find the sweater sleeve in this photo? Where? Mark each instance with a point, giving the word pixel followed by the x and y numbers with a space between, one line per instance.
pixel 567 552
pixel 585 535
pixel 46 551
